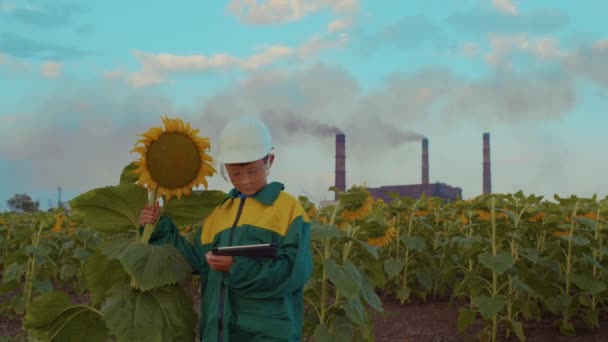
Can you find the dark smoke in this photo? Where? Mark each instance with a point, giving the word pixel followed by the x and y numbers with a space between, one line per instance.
pixel 287 124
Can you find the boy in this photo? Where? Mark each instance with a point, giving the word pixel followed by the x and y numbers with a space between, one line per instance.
pixel 247 299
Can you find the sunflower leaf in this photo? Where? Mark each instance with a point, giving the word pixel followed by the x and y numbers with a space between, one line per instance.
pixel 53 317
pixel 155 266
pixel 194 208
pixel 162 314
pixel 127 176
pixel 101 274
pixel 111 209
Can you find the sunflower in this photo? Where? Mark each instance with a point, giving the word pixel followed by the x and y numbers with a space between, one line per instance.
pixel 173 160
pixel 538 217
pixel 559 233
pixel 59 219
pixel 383 240
pixel 358 213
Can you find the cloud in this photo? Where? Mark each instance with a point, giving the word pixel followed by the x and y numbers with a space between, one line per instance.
pixel 408 33
pixel 51 69
pixel 505 6
pixel 330 96
pixel 13 65
pixel 485 21
pixel 269 12
pixel 339 25
pixel 19 46
pixel 48 16
pixel 157 68
pixel 6 6
pixel 319 43
pixel 504 47
pixel 590 62
pixel 84 138
pixel 469 49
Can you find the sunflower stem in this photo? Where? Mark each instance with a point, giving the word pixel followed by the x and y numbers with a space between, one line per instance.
pixel 148 230
pixel 149 227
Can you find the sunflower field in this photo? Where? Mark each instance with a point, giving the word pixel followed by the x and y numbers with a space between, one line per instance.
pixel 512 258
pixel 506 259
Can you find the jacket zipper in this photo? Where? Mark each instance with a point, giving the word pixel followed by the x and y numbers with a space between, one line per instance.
pixel 220 314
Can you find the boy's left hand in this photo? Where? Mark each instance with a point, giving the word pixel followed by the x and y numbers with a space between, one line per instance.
pixel 220 263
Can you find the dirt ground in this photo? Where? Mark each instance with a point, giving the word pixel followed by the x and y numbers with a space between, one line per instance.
pixel 436 322
pixel 417 322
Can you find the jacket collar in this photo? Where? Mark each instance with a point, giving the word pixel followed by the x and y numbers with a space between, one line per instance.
pixel 267 195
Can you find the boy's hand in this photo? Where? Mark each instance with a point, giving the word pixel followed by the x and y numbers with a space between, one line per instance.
pixel 149 214
pixel 220 263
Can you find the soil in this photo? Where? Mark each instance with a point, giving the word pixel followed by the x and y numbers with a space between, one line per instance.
pixel 415 322
pixel 436 322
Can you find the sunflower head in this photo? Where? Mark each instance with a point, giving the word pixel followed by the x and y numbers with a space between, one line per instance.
pixel 356 203
pixel 174 159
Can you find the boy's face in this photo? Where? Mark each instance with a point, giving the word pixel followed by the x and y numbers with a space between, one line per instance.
pixel 248 178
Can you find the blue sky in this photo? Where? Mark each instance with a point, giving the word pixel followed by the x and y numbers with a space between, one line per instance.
pixel 79 82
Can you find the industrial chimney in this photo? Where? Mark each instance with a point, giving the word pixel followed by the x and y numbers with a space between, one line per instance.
pixel 340 182
pixel 425 161
pixel 487 176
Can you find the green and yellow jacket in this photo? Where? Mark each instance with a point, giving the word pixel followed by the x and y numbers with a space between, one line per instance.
pixel 260 299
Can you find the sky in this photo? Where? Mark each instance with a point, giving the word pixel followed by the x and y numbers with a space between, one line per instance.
pixel 80 81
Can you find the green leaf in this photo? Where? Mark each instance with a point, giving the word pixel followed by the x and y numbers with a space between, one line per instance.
pixel 82 254
pixel 42 285
pixel 567 329
pixel 111 209
pixel 403 294
pixel 343 329
pixel 8 287
pixel 488 306
pixel 496 263
pixel 155 266
pixel 588 284
pixel 115 247
pixel 321 334
pixel 594 262
pixel 578 240
pixel 423 276
pixel 369 295
pixel 39 251
pixel 466 317
pixel 414 242
pixel 346 278
pixel 127 176
pixel 355 310
pixel 101 274
pixel 558 304
pixel 392 267
pixel 320 232
pixel 67 272
pixel 52 317
pixel 193 208
pixel 586 222
pixel 13 272
pixel 162 314
pixel 372 250
pixel 518 329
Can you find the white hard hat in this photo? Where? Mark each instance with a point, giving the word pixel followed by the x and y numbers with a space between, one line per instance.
pixel 244 140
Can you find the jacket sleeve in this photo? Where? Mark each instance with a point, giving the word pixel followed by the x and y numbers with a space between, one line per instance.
pixel 275 278
pixel 167 233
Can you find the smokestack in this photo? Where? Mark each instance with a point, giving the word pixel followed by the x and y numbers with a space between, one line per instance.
pixel 425 161
pixel 340 182
pixel 487 175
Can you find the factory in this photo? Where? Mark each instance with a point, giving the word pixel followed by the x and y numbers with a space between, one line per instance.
pixel 445 191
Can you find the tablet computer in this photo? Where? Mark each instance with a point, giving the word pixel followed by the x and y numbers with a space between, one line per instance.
pixel 266 250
